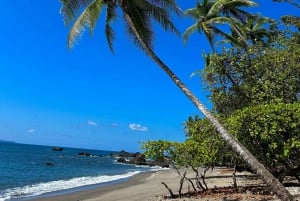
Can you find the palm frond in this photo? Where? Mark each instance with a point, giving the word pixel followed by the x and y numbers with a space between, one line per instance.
pixel 190 30
pixel 208 32
pixel 109 33
pixel 162 17
pixel 140 20
pixel 215 9
pixel 193 12
pixel 95 11
pixel 200 11
pixel 220 20
pixel 240 3
pixel 238 14
pixel 167 5
pixel 87 18
pixel 260 22
pixel 232 39
pixel 71 8
pixel 78 28
pixel 230 7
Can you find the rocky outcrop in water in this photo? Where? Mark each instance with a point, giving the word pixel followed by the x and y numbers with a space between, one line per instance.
pixel 138 159
pixel 49 164
pixel 84 154
pixel 57 149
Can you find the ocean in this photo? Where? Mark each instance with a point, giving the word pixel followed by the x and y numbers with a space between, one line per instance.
pixel 28 171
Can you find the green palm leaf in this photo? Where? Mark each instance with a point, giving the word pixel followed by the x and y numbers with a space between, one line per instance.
pixel 161 16
pixel 216 8
pixel 87 18
pixel 109 33
pixel 190 30
pixel 140 20
pixel 229 6
pixel 193 12
pixel 167 5
pixel 70 9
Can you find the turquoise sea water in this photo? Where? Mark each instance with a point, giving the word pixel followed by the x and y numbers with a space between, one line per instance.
pixel 31 170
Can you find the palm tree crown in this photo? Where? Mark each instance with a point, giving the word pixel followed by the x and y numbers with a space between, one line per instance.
pixel 210 13
pixel 136 13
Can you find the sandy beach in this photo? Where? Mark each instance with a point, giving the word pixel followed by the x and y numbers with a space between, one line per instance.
pixel 148 187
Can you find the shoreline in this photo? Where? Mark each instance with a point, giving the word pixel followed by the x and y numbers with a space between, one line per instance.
pixel 147 186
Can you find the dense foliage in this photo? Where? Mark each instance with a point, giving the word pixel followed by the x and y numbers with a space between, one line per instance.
pixel 271 132
pixel 238 78
pixel 198 150
pixel 274 129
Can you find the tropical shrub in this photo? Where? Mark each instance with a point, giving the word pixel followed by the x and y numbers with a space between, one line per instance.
pixel 271 132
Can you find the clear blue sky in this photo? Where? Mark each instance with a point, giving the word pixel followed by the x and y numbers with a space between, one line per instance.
pixel 88 97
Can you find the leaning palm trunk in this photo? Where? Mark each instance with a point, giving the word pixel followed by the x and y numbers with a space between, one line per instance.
pixel 254 164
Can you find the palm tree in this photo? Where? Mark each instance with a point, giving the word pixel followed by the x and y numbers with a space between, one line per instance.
pixel 205 22
pixel 211 13
pixel 137 17
pixel 253 29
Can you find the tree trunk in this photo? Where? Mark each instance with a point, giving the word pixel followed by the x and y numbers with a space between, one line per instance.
pixel 236 146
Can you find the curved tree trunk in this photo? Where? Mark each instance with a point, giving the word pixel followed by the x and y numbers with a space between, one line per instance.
pixel 236 146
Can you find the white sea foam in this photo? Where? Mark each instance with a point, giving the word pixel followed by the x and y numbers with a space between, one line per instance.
pixel 152 168
pixel 42 188
pixel 149 168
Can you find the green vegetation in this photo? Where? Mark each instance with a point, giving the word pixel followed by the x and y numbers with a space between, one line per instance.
pixel 254 85
pixel 255 92
pixel 272 133
pixel 261 74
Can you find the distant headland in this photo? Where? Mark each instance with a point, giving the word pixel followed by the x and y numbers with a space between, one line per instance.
pixel 7 141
